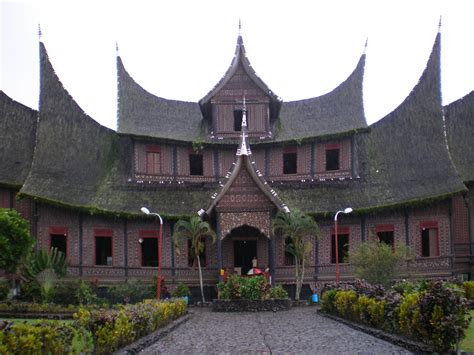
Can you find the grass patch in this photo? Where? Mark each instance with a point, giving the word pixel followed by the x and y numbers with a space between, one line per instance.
pixel 467 343
pixel 81 343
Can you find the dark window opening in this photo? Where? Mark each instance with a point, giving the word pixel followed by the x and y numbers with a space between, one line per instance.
pixel 153 164
pixel 386 237
pixel 59 242
pixel 429 242
pixel 289 257
pixel 238 114
pixel 289 163
pixel 196 164
pixel 332 159
pixel 103 251
pixel 342 246
pixel 149 251
pixel 192 260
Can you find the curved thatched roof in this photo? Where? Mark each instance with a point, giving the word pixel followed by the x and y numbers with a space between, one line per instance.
pixel 17 140
pixel 341 110
pixel 460 130
pixel 143 114
pixel 403 159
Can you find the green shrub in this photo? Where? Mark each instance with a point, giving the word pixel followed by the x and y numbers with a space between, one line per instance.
pixel 25 307
pixel 278 292
pixel 30 291
pixel 131 292
pixel 344 301
pixel 469 289
pixel 328 301
pixel 47 337
pixel 181 290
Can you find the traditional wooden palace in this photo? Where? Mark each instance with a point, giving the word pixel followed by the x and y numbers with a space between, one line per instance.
pixel 237 157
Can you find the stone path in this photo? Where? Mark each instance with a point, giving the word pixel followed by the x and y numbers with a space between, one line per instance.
pixel 300 330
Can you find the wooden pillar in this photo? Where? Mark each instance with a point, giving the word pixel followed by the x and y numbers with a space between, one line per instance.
pixel 219 245
pixel 81 244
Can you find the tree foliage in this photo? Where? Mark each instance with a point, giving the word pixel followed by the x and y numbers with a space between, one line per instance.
pixel 16 241
pixel 298 227
pixel 196 231
pixel 379 263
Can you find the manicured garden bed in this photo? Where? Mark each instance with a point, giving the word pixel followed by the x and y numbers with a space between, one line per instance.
pixel 434 313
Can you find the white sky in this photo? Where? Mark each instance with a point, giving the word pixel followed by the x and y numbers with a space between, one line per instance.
pixel 180 49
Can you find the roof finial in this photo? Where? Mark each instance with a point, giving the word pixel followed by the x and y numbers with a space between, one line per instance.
pixel 365 46
pixel 240 27
pixel 116 48
pixel 439 24
pixel 39 31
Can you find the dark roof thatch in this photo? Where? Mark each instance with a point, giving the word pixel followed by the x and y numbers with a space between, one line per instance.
pixel 340 111
pixel 240 58
pixel 403 159
pixel 143 114
pixel 78 163
pixel 460 130
pixel 17 140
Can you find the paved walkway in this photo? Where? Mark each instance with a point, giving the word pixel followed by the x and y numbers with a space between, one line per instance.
pixel 300 330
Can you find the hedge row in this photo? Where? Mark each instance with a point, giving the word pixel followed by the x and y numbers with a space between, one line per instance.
pixel 110 329
pixel 435 313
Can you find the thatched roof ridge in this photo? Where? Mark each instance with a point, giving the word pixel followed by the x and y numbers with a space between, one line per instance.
pixel 141 113
pixel 240 58
pixel 460 131
pixel 341 110
pixel 403 159
pixel 17 140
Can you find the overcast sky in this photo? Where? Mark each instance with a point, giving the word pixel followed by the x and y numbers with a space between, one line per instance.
pixel 180 49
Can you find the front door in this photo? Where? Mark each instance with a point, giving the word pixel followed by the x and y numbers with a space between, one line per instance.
pixel 244 252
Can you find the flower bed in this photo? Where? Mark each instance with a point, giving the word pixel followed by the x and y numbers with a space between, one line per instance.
pixel 434 313
pixel 250 294
pixel 110 329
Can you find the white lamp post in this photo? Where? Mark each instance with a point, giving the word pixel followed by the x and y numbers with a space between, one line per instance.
pixel 160 244
pixel 346 210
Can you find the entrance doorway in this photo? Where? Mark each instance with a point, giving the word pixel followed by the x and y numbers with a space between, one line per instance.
pixel 244 252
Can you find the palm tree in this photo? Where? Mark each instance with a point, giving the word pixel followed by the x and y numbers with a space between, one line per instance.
pixel 296 226
pixel 196 231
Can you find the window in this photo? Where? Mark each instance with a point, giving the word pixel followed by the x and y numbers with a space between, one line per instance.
pixel 289 258
pixel 149 247
pixel 103 250
pixel 153 160
pixel 429 239
pixel 58 238
pixel 59 241
pixel 238 114
pixel 332 159
pixel 192 260
pixel 343 247
pixel 196 164
pixel 385 234
pixel 290 161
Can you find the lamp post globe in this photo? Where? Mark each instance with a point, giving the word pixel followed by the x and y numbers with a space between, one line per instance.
pixel 160 248
pixel 345 211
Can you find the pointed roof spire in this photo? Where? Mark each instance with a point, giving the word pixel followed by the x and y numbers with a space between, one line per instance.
pixel 365 46
pixel 439 24
pixel 116 49
pixel 39 31
pixel 244 147
pixel 240 27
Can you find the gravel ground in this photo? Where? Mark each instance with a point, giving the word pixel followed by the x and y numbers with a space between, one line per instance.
pixel 300 330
